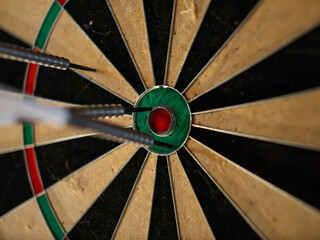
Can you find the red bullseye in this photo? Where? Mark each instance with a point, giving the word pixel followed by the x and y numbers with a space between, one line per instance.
pixel 161 120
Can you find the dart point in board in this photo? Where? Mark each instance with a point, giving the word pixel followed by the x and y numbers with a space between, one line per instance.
pixel 76 66
pixel 161 144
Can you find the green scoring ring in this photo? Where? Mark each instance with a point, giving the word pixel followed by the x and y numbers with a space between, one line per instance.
pixel 171 97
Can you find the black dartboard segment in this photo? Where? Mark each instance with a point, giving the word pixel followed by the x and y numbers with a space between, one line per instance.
pixel 102 218
pixel 294 68
pixel 67 86
pixel 60 159
pixel 159 15
pixel 221 20
pixel 223 218
pixel 96 20
pixel 292 169
pixel 14 182
pixel 11 72
pixel 162 220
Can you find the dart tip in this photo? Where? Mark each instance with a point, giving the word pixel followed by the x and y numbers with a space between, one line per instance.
pixel 141 109
pixel 72 65
pixel 161 144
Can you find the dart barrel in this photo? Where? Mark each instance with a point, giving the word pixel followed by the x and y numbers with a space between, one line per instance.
pixel 99 111
pixel 16 53
pixel 118 133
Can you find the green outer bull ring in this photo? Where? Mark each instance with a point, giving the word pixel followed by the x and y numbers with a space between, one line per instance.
pixel 164 95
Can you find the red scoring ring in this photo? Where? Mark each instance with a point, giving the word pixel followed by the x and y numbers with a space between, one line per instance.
pixel 160 120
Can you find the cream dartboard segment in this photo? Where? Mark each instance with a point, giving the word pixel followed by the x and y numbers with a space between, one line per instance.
pixel 232 92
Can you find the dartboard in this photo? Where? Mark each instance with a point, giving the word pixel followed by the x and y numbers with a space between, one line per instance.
pixel 234 91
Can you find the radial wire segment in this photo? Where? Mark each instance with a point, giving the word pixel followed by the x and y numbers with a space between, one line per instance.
pixel 277 75
pixel 295 123
pixel 111 203
pixel 108 77
pixel 126 44
pixel 26 214
pixel 187 21
pixel 71 201
pixel 215 205
pixel 274 209
pixel 97 22
pixel 77 89
pixel 88 149
pixel 135 220
pixel 222 19
pixel 159 17
pixel 133 29
pixel 266 31
pixel 280 165
pixel 162 220
pixel 190 216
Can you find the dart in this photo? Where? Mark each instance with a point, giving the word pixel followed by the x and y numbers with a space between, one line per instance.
pixel 14 109
pixel 105 110
pixel 17 53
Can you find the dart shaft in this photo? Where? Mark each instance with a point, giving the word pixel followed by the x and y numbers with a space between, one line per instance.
pixel 104 110
pixel 98 111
